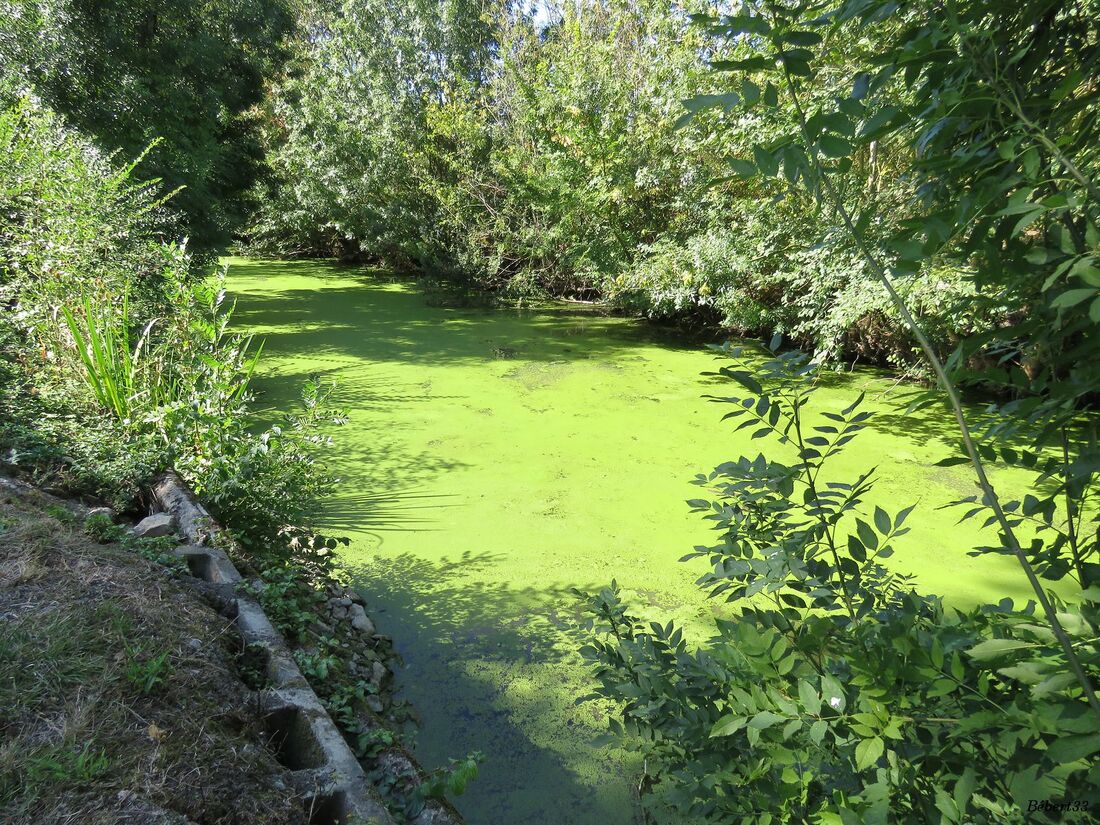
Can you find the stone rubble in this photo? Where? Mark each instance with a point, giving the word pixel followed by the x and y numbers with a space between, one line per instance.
pixel 155 526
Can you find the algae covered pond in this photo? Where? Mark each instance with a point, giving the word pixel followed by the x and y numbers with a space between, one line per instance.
pixel 495 459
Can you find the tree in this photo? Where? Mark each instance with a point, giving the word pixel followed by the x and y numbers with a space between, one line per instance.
pixel 184 75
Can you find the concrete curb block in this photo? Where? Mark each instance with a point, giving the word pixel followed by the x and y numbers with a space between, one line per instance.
pixel 305 739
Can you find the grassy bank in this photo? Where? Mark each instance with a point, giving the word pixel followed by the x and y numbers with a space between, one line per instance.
pixel 122 690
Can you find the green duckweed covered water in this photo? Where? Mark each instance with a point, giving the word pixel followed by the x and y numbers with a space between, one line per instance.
pixel 495 459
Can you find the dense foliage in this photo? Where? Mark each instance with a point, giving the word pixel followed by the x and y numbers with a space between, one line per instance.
pixel 101 394
pixel 548 153
pixel 117 361
pixel 182 75
pixel 870 701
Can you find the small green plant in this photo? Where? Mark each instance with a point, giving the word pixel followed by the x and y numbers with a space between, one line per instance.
pixel 318 665
pixel 157 549
pixel 60 513
pixel 102 529
pixel 371 742
pixel 288 600
pixel 65 765
pixel 146 673
pixel 111 365
pixel 453 779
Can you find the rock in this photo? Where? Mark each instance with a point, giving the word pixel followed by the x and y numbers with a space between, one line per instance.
pixel 159 524
pixel 344 601
pixel 375 704
pixel 360 621
pixel 195 644
pixel 378 672
pixel 99 512
pixel 175 497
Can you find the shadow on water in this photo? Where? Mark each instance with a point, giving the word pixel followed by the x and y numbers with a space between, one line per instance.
pixel 474 637
pixel 389 491
pixel 396 510
pixel 358 313
pixel 477 638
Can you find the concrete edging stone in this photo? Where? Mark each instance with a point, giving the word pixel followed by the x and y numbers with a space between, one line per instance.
pixel 325 769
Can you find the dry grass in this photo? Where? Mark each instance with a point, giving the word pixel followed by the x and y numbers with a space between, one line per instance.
pixel 120 697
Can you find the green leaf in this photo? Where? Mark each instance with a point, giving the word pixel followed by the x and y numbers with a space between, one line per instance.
pixel 741 167
pixel 1072 297
pixel 701 102
pixel 878 123
pixel 801 38
pixel 937 652
pixel 745 24
pixel 1028 218
pixel 765 719
pixel 750 64
pixel 860 86
pixel 1072 748
pixel 963 789
pixel 908 250
pixel 727 725
pixel 750 91
pixel 1085 268
pixel 1027 672
pixel 818 730
pixel 790 728
pixel 946 806
pixel 995 648
pixel 834 146
pixel 809 697
pixel 856 549
pixel 866 534
pixel 868 752
pixel 766 161
pixel 882 520
pixel 833 693
pixel 1053 684
pixel 1031 161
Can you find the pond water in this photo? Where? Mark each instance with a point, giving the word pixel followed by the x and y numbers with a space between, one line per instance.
pixel 495 459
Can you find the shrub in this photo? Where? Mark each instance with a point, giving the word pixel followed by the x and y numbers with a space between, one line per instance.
pixel 121 361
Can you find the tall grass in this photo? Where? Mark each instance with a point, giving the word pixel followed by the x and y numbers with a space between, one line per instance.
pixel 195 353
pixel 103 342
